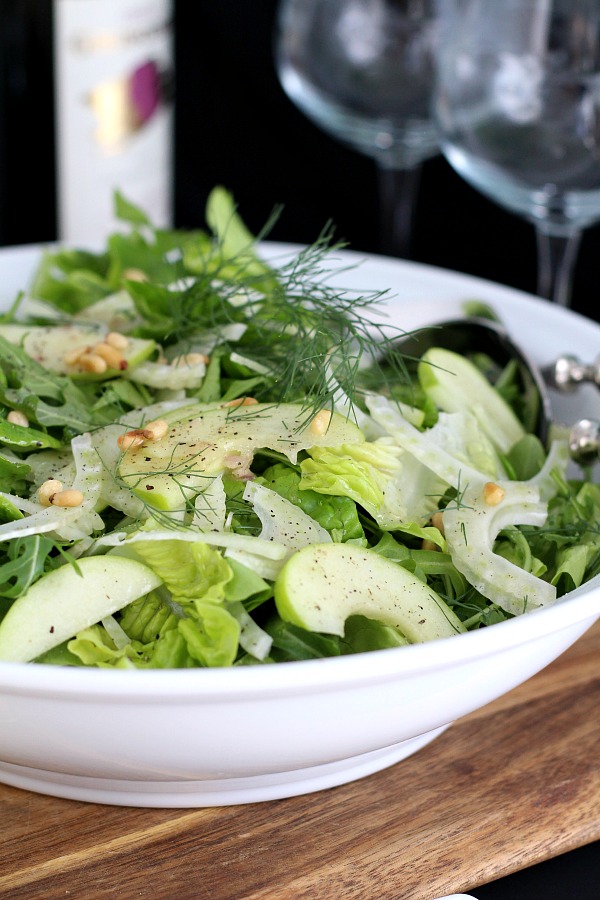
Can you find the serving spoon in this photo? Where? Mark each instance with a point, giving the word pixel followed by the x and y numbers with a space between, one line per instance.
pixel 486 336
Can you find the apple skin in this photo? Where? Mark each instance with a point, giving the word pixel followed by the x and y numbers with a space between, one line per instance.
pixel 69 599
pixel 206 440
pixel 322 585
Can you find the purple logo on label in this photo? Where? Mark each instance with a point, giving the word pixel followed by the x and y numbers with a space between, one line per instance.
pixel 125 105
pixel 145 91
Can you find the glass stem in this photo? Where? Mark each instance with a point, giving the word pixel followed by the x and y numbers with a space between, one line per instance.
pixel 398 190
pixel 556 260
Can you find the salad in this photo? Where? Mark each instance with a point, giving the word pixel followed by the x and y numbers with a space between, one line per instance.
pixel 208 460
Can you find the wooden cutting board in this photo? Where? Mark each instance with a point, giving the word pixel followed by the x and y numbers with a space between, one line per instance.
pixel 508 786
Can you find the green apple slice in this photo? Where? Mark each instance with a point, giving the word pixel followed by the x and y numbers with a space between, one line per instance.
pixel 50 345
pixel 215 439
pixel 322 585
pixel 68 599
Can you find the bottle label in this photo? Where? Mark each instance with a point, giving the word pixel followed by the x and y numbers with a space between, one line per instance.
pixel 114 115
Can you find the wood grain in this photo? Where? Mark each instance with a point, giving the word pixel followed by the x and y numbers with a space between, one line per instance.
pixel 508 786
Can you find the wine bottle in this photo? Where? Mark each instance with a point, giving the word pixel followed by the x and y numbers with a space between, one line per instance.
pixel 85 110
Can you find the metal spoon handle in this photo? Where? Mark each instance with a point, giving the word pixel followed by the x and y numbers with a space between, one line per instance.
pixel 584 441
pixel 568 372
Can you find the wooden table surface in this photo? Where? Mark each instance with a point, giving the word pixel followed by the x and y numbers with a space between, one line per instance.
pixel 506 787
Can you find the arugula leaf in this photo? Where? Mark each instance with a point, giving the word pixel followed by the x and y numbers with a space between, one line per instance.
pixel 13 475
pixel 127 211
pixel 293 643
pixel 70 279
pixel 45 397
pixel 27 559
pixel 568 545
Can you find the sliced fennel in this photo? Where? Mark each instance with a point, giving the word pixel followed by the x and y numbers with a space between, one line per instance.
pixel 472 524
pixel 471 527
pixel 455 384
pixel 283 522
pixel 166 376
pixel 393 486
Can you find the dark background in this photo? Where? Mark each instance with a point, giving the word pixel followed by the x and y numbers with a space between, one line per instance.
pixel 236 127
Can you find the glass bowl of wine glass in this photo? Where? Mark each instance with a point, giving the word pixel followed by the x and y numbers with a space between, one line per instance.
pixel 362 70
pixel 517 105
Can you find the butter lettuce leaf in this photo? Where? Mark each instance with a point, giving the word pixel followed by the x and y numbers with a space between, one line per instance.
pixel 93 647
pixel 148 618
pixel 246 586
pixel 190 570
pixel 195 576
pixel 212 635
pixel 389 484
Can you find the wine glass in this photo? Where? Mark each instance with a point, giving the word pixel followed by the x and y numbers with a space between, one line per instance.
pixel 517 105
pixel 362 70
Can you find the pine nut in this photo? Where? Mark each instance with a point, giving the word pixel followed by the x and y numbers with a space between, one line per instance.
pixel 155 431
pixel 48 490
pixel 428 545
pixel 91 362
pixel 320 423
pixel 437 520
pixel 189 359
pixel 117 340
pixel 134 275
pixel 130 439
pixel 73 356
pixel 493 494
pixel 239 401
pixel 110 355
pixel 67 498
pixel 16 417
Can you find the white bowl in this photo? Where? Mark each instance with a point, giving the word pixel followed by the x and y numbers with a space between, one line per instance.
pixel 216 737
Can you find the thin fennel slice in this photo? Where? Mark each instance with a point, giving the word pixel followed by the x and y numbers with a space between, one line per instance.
pixel 267 568
pixel 446 466
pixel 471 528
pixel 253 638
pixel 210 506
pixel 88 480
pixel 42 521
pixel 227 539
pixel 472 525
pixel 282 521
pixel 165 376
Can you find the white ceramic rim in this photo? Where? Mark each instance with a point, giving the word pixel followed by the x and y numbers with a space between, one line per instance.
pixel 302 676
